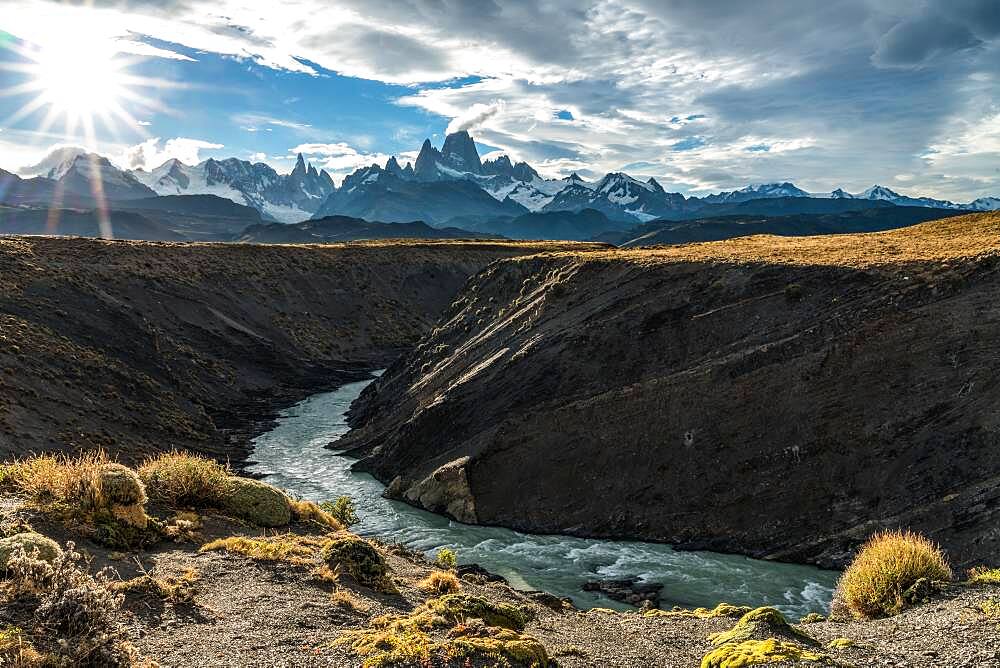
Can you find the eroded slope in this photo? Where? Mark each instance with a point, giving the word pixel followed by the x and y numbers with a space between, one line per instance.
pixel 773 396
pixel 141 347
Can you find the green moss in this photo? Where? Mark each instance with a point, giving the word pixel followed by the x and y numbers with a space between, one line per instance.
pixel 120 486
pixel 46 548
pixel 256 502
pixel 812 618
pixel 496 645
pixel 759 652
pixel 114 531
pixel 984 576
pixel 455 608
pixel 760 624
pixel 840 643
pixel 991 608
pixel 721 610
pixel 359 559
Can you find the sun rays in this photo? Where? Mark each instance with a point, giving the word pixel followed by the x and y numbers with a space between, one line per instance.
pixel 86 83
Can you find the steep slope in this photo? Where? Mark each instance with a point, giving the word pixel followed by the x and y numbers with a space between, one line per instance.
pixel 342 228
pixel 141 347
pixel 571 225
pixel 779 397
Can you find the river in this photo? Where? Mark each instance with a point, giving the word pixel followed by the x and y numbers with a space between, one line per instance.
pixel 292 456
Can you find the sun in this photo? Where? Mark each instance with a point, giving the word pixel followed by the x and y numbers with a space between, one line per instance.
pixel 89 82
pixel 83 82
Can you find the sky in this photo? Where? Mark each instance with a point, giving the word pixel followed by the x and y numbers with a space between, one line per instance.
pixel 704 95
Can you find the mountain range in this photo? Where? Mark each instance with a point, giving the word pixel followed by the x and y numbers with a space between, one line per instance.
pixel 450 186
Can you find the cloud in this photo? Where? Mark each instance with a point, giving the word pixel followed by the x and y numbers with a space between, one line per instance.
pixel 475 116
pixel 833 93
pixel 149 154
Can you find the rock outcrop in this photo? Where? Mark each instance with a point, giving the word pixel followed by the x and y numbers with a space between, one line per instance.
pixel 777 397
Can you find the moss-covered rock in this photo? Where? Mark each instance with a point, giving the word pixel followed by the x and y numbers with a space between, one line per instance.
pixel 455 608
pixel 491 644
pixel 359 559
pixel 721 610
pixel 120 486
pixel 812 618
pixel 760 652
pixel 111 530
pixel 761 624
pixel 46 548
pixel 256 502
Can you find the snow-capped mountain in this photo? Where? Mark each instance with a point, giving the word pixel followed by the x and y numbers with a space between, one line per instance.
pixel 985 204
pixel 618 195
pixel 881 193
pixel 756 191
pixel 286 198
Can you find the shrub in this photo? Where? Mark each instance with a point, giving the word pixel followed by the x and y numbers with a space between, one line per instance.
pixel 257 502
pixel 17 651
pixel 76 614
pixel 439 582
pixel 455 608
pixel 182 480
pixel 888 565
pixel 446 558
pixel 359 559
pixel 32 544
pixel 116 485
pixel 342 510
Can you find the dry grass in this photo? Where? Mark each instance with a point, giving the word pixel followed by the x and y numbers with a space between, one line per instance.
pixel 287 548
pixel 346 600
pixel 173 588
pixel 889 564
pixel 180 479
pixel 440 582
pixel 310 511
pixel 56 481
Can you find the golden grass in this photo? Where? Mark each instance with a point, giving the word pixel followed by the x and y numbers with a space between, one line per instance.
pixel 310 511
pixel 346 600
pixel 891 562
pixel 56 479
pixel 180 479
pixel 440 582
pixel 18 652
pixel 173 588
pixel 287 548
pixel 961 236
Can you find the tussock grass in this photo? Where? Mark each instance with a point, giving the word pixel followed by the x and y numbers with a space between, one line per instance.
pixel 287 548
pixel 888 565
pixel 182 480
pixel 346 600
pixel 310 511
pixel 173 588
pixel 440 582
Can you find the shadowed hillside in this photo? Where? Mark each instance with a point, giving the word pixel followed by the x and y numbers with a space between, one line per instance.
pixel 780 397
pixel 139 347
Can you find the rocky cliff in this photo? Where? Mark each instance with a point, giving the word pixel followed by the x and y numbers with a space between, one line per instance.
pixel 779 397
pixel 142 347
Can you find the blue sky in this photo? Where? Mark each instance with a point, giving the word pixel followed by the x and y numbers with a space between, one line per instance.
pixel 702 94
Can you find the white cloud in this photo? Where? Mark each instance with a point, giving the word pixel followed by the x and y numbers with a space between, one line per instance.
pixel 149 154
pixel 475 116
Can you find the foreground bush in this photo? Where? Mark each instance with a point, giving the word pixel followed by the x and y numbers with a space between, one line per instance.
pixel 359 559
pixel 30 543
pixel 77 616
pixel 182 480
pixel 881 580
pixel 257 502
